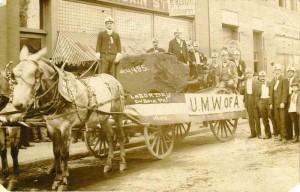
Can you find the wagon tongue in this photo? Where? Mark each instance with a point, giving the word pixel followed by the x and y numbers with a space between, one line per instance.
pixel 71 88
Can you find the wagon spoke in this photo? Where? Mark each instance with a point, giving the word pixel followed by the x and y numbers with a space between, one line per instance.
pixel 161 145
pixel 96 144
pixel 231 123
pixel 165 142
pixel 91 140
pixel 154 141
pixel 157 145
pixel 224 126
pixel 221 126
pixel 228 127
pixel 217 123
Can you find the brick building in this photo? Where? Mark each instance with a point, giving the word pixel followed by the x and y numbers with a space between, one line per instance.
pixel 266 31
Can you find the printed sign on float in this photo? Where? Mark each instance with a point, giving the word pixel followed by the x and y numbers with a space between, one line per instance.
pixel 200 104
pixel 181 7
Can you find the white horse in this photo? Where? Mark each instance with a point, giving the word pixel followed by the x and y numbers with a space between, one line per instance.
pixel 67 102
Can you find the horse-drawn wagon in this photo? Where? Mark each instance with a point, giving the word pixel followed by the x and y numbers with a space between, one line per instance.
pixel 154 103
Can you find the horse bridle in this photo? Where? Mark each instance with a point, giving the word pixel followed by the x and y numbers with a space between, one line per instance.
pixel 38 78
pixel 36 85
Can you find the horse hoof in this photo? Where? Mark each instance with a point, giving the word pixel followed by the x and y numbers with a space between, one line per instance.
pixel 55 185
pixel 107 168
pixel 12 185
pixel 123 166
pixel 62 188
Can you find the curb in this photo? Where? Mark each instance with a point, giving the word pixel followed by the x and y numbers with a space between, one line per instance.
pixel 46 162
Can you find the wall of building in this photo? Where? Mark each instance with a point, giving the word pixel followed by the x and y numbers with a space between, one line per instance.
pixel 246 17
pixel 135 25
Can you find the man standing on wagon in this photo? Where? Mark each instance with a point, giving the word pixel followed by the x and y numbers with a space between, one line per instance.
pixel 178 47
pixel 108 48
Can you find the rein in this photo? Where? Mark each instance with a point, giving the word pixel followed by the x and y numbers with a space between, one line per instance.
pixel 57 101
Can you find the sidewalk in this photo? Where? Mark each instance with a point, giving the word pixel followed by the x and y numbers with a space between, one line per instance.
pixel 41 154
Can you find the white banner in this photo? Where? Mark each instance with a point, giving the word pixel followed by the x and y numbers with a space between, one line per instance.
pixel 181 7
pixel 201 104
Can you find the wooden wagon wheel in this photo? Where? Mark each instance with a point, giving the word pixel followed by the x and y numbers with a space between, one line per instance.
pixel 159 140
pixel 97 143
pixel 181 131
pixel 224 129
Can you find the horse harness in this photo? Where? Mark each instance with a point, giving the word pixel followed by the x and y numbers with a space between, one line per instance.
pixel 57 101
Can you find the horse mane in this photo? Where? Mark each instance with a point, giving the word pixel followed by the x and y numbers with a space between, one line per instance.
pixel 47 67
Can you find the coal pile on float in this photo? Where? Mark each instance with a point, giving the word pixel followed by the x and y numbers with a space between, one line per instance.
pixel 158 72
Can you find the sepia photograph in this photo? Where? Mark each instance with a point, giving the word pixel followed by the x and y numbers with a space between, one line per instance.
pixel 150 95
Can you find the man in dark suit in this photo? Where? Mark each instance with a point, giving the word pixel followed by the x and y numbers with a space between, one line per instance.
pixel 279 90
pixel 155 48
pixel 197 60
pixel 292 79
pixel 251 105
pixel 262 97
pixel 178 47
pixel 240 66
pixel 108 48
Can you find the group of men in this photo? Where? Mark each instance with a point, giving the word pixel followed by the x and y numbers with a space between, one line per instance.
pixel 278 101
pixel 108 50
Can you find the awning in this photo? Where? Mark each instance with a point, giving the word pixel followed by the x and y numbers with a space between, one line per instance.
pixel 75 48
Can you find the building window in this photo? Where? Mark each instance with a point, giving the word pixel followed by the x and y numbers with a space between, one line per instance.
pixel 294 5
pixel 32 32
pixel 33 44
pixel 282 3
pixel 31 14
pixel 258 52
pixel 229 33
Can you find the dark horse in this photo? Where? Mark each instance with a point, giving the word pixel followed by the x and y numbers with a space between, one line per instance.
pixel 14 139
pixel 67 102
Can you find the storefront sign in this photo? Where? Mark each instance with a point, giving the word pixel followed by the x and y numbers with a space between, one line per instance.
pixel 289 31
pixel 181 7
pixel 160 5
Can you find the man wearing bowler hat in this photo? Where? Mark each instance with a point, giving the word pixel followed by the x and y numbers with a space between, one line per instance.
pixel 108 48
pixel 279 90
pixel 178 47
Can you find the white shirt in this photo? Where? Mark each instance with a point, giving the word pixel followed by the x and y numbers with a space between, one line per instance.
pixel 249 86
pixel 264 91
pixel 237 62
pixel 290 84
pixel 197 56
pixel 293 103
pixel 276 83
pixel 109 32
